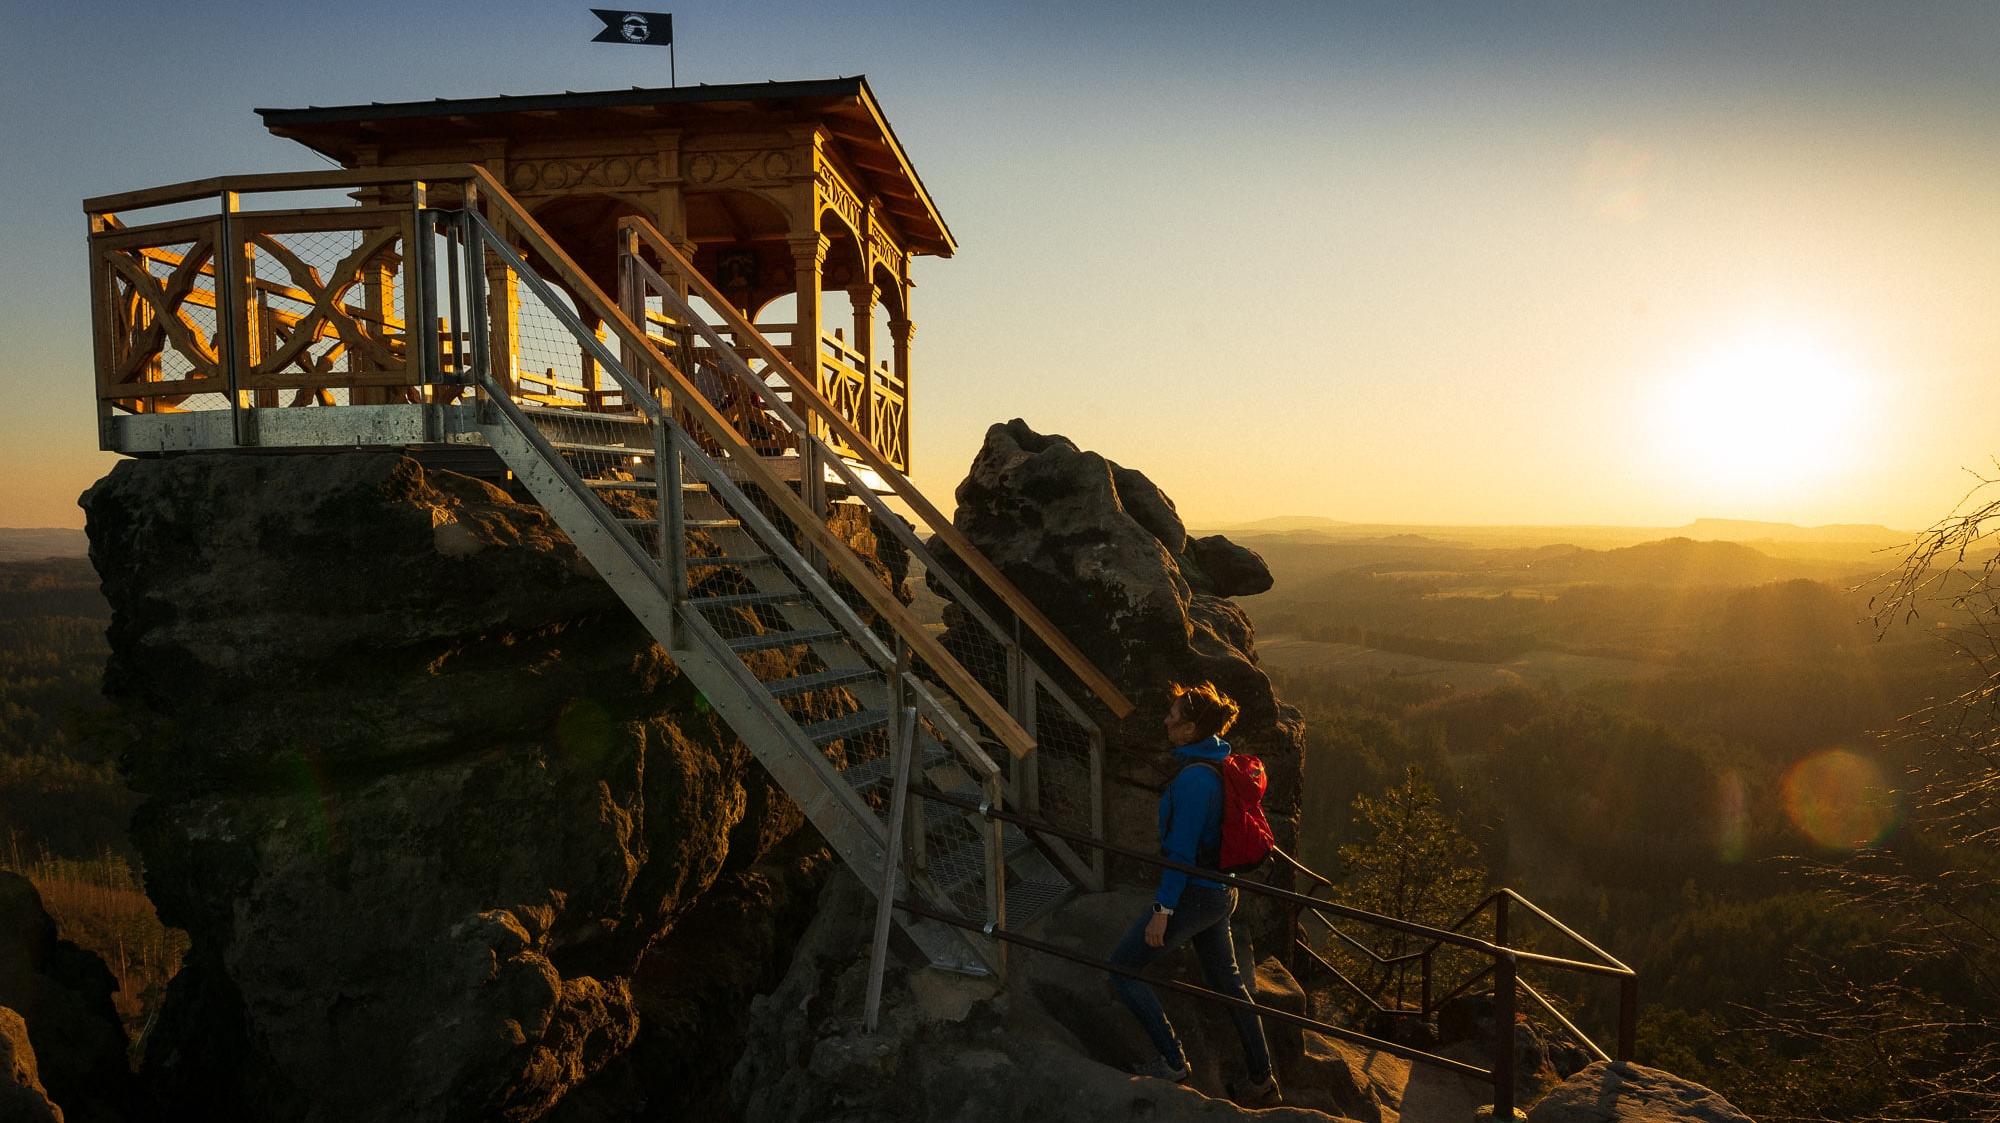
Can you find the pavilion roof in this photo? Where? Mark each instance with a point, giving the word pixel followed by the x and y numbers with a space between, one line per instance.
pixel 845 107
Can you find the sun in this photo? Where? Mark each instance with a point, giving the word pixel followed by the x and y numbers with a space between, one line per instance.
pixel 1764 415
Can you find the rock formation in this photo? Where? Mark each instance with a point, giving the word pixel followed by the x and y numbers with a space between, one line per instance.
pixel 61 1034
pixel 421 791
pixel 1103 552
pixel 22 1097
pixel 1607 1092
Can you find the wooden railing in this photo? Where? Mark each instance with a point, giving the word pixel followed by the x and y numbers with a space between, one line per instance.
pixel 262 308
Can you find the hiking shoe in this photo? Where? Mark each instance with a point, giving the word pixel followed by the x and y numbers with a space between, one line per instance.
pixel 1257 1093
pixel 1159 1068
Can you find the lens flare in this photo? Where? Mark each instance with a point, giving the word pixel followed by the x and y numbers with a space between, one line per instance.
pixel 1619 180
pixel 1839 800
pixel 584 731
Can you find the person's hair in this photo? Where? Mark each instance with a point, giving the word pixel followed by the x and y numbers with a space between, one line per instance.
pixel 1208 709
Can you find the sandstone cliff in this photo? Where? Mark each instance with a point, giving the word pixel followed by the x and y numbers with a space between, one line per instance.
pixel 421 791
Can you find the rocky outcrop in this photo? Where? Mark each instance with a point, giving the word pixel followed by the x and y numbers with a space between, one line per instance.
pixel 62 1033
pixel 1608 1092
pixel 1219 567
pixel 22 1097
pixel 1051 1046
pixel 421 790
pixel 1101 550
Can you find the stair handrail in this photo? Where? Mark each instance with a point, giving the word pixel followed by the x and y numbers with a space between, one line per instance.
pixel 806 393
pixel 686 396
pixel 260 182
pixel 1506 960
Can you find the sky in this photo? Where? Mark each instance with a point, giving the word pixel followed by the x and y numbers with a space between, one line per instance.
pixel 1477 263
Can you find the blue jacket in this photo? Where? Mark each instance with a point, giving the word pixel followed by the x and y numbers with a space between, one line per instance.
pixel 1191 817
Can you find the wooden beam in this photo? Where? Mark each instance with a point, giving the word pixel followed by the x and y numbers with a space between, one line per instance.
pixel 274 181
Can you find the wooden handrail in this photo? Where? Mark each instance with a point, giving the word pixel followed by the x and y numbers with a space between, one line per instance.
pixel 806 393
pixel 279 181
pixel 686 396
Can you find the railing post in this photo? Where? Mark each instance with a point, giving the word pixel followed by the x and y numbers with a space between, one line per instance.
pixel 1429 954
pixel 232 308
pixel 672 530
pixel 477 310
pixel 904 732
pixel 420 281
pixel 1504 968
pixel 1628 1018
pixel 1500 919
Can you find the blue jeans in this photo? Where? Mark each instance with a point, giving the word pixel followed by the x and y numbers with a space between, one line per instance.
pixel 1203 919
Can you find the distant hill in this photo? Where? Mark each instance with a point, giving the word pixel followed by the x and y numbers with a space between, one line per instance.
pixel 19 543
pixel 1743 530
pixel 1859 544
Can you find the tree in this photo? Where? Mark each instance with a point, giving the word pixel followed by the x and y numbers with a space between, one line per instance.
pixel 1414 864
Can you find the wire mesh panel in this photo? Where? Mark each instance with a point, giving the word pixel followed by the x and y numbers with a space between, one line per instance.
pixel 157 318
pixel 328 295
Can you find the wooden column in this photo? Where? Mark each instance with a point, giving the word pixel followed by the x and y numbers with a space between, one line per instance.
pixel 808 258
pixel 863 298
pixel 901 331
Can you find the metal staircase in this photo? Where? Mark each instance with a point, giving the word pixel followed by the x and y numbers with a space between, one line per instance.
pixel 732 558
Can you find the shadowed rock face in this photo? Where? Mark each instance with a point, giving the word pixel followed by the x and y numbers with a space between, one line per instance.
pixel 422 792
pixel 62 1038
pixel 1102 552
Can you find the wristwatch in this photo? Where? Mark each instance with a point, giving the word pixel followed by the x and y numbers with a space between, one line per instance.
pixel 1161 910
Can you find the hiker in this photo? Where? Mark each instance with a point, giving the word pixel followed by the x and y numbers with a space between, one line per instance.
pixel 1189 909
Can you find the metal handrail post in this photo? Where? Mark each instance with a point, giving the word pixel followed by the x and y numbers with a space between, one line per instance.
pixel 477 310
pixel 1428 955
pixel 885 898
pixel 1628 1018
pixel 670 515
pixel 1503 1036
pixel 230 312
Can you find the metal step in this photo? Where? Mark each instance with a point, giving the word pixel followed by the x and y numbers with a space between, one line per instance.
pixel 869 773
pixel 1028 899
pixel 745 600
pixel 798 637
pixel 709 524
pixel 966 863
pixel 833 729
pixel 620 450
pixel 555 414
pixel 724 561
pixel 824 680
pixel 637 485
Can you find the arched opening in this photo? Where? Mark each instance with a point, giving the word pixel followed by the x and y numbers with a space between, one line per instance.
pixel 586 227
pixel 742 245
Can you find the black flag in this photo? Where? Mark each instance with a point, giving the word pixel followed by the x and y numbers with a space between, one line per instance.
pixel 654 29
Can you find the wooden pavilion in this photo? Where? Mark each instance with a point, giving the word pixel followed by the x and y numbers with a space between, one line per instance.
pixel 775 190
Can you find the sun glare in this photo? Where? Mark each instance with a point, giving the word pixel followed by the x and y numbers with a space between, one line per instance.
pixel 1765 415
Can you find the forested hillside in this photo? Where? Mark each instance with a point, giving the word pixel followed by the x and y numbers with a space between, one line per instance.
pixel 1659 743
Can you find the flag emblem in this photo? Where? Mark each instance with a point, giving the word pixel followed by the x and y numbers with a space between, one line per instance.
pixel 655 29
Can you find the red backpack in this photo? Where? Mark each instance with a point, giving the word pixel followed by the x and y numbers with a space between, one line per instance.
pixel 1246 834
